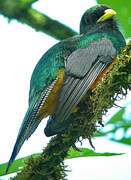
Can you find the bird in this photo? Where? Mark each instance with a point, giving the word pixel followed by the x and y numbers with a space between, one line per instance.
pixel 65 73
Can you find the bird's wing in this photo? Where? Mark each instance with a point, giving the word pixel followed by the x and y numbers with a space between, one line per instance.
pixel 82 68
pixel 30 122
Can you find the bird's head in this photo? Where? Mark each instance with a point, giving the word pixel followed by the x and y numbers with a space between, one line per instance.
pixel 97 18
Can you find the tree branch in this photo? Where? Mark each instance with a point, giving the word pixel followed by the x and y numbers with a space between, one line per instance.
pixel 22 11
pixel 49 165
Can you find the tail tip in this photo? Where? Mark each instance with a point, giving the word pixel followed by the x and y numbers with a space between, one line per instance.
pixel 8 166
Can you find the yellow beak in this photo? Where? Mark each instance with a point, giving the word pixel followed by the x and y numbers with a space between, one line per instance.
pixel 109 13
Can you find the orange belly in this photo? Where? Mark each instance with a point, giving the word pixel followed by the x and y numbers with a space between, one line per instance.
pixel 99 78
pixel 49 105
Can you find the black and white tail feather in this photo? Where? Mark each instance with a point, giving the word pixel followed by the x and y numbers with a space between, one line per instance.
pixel 30 122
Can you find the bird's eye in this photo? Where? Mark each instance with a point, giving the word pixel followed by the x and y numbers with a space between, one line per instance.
pixel 86 20
pixel 90 18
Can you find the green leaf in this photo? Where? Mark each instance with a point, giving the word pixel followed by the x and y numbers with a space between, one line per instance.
pixel 88 153
pixel 19 163
pixel 16 166
pixel 118 123
pixel 123 10
pixel 118 117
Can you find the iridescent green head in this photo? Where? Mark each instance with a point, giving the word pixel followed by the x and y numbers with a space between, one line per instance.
pixel 95 17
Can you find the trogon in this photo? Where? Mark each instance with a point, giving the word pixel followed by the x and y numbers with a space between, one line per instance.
pixel 68 70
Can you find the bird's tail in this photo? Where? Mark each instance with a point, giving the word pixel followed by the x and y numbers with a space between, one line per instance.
pixel 30 123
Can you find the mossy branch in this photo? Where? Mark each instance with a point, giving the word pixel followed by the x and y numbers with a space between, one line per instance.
pixel 50 164
pixel 23 12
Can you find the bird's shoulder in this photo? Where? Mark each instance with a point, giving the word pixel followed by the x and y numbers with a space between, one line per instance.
pixel 115 37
